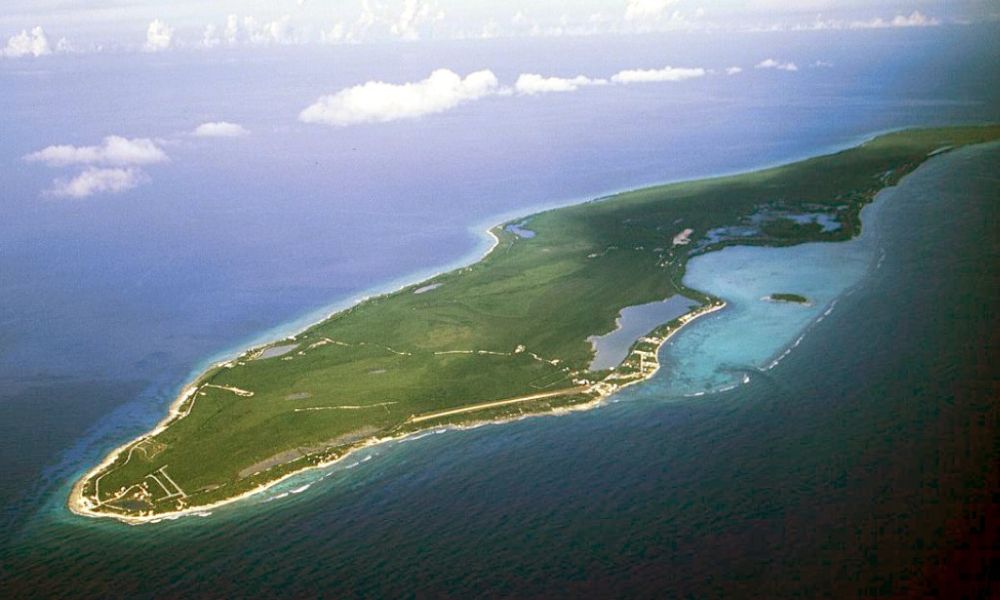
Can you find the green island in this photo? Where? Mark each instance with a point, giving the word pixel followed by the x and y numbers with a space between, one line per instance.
pixel 504 337
pixel 787 297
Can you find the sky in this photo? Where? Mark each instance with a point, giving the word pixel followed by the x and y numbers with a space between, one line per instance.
pixel 35 31
pixel 30 28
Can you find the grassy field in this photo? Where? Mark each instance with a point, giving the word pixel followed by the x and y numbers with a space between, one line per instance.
pixel 505 336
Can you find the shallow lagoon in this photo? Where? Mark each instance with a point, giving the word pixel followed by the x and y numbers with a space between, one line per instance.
pixel 633 322
pixel 519 230
pixel 276 351
pixel 753 333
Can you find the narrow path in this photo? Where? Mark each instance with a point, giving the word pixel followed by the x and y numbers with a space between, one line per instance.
pixel 477 407
pixel 163 471
pixel 235 390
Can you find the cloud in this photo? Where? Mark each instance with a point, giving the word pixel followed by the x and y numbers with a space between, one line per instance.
pixel 821 64
pixel 159 36
pixel 656 75
pixel 95 180
pixel 334 35
pixel 384 21
pixel 490 30
pixel 33 43
pixel 249 30
pixel 210 37
pixel 415 14
pixel 771 63
pixel 111 167
pixel 531 83
pixel 279 31
pixel 914 19
pixel 377 101
pixel 734 70
pixel 64 46
pixel 637 10
pixel 232 30
pixel 116 151
pixel 219 129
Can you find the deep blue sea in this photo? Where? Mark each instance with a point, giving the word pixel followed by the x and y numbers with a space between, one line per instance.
pixel 852 466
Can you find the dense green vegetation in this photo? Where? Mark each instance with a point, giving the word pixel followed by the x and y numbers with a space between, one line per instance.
pixel 786 297
pixel 513 325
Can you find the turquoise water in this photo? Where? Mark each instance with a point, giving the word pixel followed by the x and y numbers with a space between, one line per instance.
pixel 752 333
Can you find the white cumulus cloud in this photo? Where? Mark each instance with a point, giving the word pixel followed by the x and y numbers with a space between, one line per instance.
pixel 94 180
pixel 232 30
pixel 656 75
pixel 210 37
pixel 220 129
pixel 114 151
pixel 636 10
pixel 381 20
pixel 33 43
pixel 914 19
pixel 250 30
pixel 159 36
pixel 279 31
pixel 771 63
pixel 377 101
pixel 415 14
pixel 334 35
pixel 734 71
pixel 64 46
pixel 110 167
pixel 531 83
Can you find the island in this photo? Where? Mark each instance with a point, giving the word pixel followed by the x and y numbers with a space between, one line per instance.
pixel 787 297
pixel 508 336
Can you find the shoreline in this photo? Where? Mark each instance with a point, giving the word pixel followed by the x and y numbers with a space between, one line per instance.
pixel 300 324
pixel 602 389
pixel 80 506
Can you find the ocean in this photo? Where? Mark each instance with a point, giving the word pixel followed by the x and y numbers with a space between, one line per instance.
pixel 846 468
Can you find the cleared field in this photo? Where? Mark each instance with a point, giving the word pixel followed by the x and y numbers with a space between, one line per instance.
pixel 507 335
